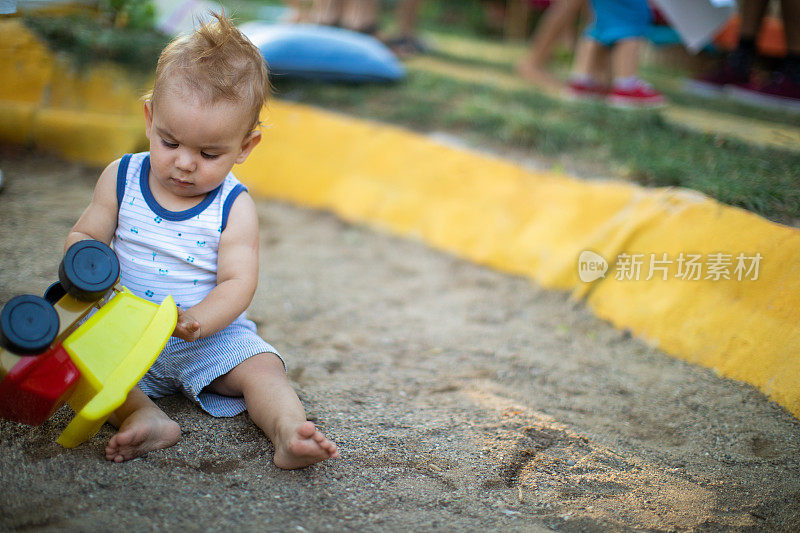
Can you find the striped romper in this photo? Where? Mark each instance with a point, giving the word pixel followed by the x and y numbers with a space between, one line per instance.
pixel 164 253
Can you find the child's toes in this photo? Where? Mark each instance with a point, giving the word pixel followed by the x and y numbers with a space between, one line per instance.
pixel 307 430
pixel 333 451
pixel 112 450
pixel 330 448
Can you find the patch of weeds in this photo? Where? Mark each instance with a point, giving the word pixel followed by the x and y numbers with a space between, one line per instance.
pixel 121 31
pixel 651 150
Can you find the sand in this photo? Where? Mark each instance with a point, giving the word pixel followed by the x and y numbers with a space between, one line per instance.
pixel 461 399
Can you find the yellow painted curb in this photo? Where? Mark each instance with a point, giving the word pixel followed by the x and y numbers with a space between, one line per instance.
pixel 537 224
pixel 96 138
pixel 92 115
pixel 748 130
pixel 26 64
pixel 16 121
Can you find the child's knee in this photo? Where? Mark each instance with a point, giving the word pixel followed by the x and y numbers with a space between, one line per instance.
pixel 268 362
pixel 260 366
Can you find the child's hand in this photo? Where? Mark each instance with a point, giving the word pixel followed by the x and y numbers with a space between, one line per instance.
pixel 187 328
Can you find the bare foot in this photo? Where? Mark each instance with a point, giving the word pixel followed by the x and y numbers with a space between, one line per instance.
pixel 143 431
pixel 538 76
pixel 304 447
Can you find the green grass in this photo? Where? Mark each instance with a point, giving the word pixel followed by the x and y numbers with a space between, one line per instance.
pixel 638 146
pixel 670 84
pixel 669 80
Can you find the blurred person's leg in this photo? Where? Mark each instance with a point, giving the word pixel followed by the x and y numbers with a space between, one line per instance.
pixel 406 42
pixel 406 14
pixel 556 20
pixel 588 78
pixel 619 25
pixel 327 12
pixel 735 68
pixel 628 89
pixel 592 60
pixel 790 13
pixel 783 87
pixel 625 59
pixel 623 25
pixel 751 14
pixel 302 10
pixel 361 15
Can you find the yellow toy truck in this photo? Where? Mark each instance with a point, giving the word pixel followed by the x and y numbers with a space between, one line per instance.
pixel 51 353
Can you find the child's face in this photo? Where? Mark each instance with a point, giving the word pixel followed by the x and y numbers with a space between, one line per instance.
pixel 194 145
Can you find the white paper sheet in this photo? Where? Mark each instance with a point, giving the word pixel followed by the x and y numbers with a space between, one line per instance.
pixel 696 21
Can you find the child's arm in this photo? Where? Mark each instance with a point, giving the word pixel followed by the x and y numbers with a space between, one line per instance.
pixel 237 276
pixel 99 219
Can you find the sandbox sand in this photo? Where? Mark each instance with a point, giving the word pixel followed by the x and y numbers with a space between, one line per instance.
pixel 461 399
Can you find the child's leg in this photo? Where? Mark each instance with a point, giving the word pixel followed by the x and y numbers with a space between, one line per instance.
pixel 586 55
pixel 627 89
pixel 143 427
pixel 275 408
pixel 622 25
pixel 600 67
pixel 625 58
pixel 592 63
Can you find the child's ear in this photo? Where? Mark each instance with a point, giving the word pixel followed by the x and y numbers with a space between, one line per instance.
pixel 148 117
pixel 249 142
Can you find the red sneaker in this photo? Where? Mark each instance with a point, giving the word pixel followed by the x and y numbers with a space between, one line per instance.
pixel 637 94
pixel 586 90
pixel 779 92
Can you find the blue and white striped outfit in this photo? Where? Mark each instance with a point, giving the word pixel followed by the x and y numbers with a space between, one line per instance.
pixel 164 252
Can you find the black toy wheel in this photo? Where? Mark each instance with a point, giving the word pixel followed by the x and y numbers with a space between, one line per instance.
pixel 88 270
pixel 54 293
pixel 28 324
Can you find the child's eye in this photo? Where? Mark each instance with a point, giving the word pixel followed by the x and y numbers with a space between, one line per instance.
pixel 169 144
pixel 209 156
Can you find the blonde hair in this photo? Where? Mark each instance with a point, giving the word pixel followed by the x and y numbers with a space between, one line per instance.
pixel 216 62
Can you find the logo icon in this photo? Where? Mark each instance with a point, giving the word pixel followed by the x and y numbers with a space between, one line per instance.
pixel 591 266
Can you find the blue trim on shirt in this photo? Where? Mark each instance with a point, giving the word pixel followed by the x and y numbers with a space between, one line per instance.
pixel 175 216
pixel 226 207
pixel 122 177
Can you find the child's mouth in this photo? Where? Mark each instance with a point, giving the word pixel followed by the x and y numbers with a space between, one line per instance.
pixel 182 183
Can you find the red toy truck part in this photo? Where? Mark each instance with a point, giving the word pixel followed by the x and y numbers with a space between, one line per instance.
pixel 37 386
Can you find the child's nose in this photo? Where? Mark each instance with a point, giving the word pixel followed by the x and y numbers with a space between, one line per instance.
pixel 184 161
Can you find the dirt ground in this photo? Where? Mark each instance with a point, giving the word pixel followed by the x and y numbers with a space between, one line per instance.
pixel 461 399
